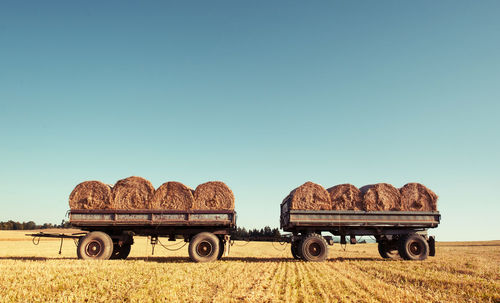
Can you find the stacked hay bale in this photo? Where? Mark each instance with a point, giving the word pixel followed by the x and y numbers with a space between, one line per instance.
pixel 91 195
pixel 346 197
pixel 213 195
pixel 138 193
pixel 133 193
pixel 373 197
pixel 417 197
pixel 381 196
pixel 309 196
pixel 173 195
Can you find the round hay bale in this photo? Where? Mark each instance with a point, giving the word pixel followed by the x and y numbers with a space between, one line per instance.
pixel 381 196
pixel 173 195
pixel 365 188
pixel 346 197
pixel 213 195
pixel 309 196
pixel 91 195
pixel 133 193
pixel 417 197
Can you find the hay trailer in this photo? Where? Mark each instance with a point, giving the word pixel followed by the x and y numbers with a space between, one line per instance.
pixel 398 233
pixel 110 233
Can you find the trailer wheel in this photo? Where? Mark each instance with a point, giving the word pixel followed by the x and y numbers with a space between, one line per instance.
pixel 204 247
pixel 120 252
pixel 386 251
pixel 413 247
pixel 77 248
pixel 432 246
pixel 314 248
pixel 95 245
pixel 295 248
pixel 221 249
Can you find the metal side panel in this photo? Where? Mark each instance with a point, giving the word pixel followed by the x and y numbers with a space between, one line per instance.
pixel 133 217
pixel 210 217
pixel 152 218
pixel 284 207
pixel 169 217
pixel 362 212
pixel 284 214
pixel 361 218
pixel 91 217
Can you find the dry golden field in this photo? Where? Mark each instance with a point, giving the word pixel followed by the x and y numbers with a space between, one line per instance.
pixel 256 272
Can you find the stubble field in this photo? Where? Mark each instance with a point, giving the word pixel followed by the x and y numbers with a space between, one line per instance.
pixel 253 272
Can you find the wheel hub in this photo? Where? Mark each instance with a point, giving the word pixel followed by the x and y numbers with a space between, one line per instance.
pixel 204 248
pixel 93 249
pixel 315 249
pixel 415 248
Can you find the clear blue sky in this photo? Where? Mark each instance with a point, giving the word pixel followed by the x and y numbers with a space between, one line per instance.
pixel 263 95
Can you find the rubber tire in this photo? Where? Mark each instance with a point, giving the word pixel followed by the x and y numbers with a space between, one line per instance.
pixel 77 246
pixel 204 237
pixel 103 242
pixel 294 247
pixel 310 242
pixel 432 246
pixel 120 252
pixel 417 242
pixel 383 250
pixel 221 249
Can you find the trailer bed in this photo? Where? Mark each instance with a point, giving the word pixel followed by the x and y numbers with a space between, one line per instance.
pixel 311 218
pixel 337 220
pixel 152 218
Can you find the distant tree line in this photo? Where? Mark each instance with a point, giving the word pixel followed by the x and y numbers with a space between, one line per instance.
pixel 14 225
pixel 263 234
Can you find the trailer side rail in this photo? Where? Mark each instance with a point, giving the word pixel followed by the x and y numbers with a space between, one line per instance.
pixel 151 218
pixel 305 218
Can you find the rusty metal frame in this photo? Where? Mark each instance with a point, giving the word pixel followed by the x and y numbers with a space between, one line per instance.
pixel 344 220
pixel 147 222
pixel 147 211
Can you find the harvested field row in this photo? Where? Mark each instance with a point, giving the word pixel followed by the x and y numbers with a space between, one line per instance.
pixel 374 197
pixel 256 272
pixel 138 193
